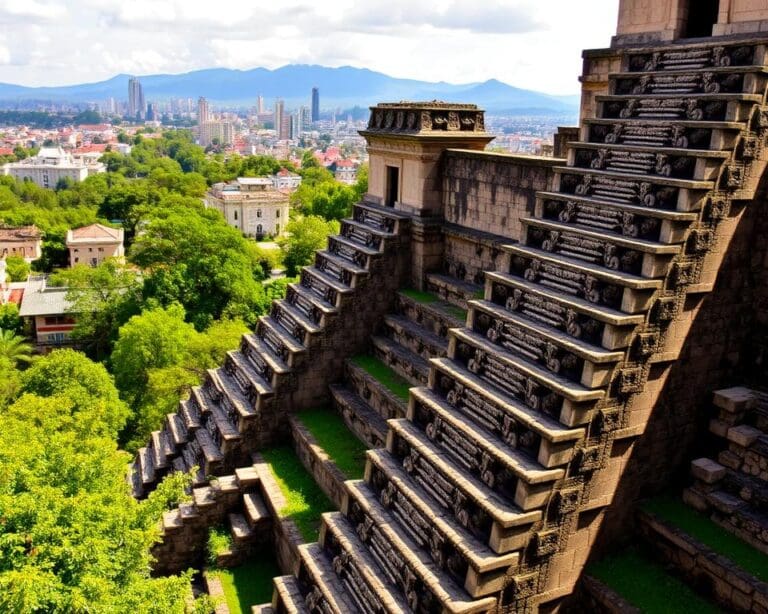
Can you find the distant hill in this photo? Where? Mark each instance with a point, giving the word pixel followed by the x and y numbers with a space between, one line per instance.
pixel 342 87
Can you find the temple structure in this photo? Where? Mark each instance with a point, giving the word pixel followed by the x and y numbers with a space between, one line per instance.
pixel 563 323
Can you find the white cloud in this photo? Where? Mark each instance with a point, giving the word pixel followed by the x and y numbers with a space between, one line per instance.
pixel 534 44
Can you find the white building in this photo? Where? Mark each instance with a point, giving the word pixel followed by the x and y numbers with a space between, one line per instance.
pixel 252 205
pixel 221 131
pixel 285 180
pixel 50 165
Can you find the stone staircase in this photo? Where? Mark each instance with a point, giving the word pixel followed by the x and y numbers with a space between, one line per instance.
pixel 287 361
pixel 733 488
pixel 472 504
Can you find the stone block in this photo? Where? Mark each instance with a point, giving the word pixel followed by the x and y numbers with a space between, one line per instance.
pixel 707 470
pixel 718 427
pixel 743 435
pixel 734 399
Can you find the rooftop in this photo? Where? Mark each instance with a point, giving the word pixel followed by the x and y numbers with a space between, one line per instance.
pixel 40 300
pixel 23 233
pixel 95 231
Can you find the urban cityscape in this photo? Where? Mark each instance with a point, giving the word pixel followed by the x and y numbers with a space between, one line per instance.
pixel 282 333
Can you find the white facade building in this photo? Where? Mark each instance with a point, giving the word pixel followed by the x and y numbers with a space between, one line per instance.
pixel 50 165
pixel 252 205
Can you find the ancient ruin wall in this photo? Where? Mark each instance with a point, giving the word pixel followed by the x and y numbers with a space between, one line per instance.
pixel 490 192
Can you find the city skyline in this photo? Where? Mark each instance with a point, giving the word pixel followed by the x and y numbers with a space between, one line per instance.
pixel 436 41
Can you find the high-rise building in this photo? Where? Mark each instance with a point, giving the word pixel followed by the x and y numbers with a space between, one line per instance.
pixel 136 105
pixel 203 115
pixel 315 104
pixel 282 133
pixel 260 104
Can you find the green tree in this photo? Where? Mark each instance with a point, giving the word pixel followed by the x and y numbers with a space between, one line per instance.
pixel 84 387
pixel 106 296
pixel 10 320
pixel 305 236
pixel 329 199
pixel 17 268
pixel 14 348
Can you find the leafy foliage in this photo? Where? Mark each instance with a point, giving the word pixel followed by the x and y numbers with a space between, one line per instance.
pixel 305 236
pixel 17 268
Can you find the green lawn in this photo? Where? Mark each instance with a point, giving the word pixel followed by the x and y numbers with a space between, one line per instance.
pixel 249 584
pixel 420 296
pixel 646 585
pixel 702 529
pixel 386 376
pixel 305 500
pixel 344 448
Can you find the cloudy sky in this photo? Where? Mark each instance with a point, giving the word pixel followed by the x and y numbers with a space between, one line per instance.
pixel 534 44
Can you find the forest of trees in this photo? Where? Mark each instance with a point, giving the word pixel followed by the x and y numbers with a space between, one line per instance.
pixel 71 537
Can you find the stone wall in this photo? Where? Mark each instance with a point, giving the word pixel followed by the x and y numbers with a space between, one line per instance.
pixel 490 192
pixel 468 253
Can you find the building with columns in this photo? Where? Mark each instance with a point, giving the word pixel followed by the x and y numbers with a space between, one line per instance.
pixel 252 205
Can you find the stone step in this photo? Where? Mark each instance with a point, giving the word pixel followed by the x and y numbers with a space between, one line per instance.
pixel 414 337
pixel 264 608
pixel 733 514
pixel 255 387
pixel 316 309
pixel 256 511
pixel 636 190
pixel 599 285
pixel 752 490
pixel 711 80
pixel 361 234
pixel 510 371
pixel 360 417
pixel 479 510
pixel 548 440
pixel 747 451
pixel 658 225
pixel 580 318
pixel 287 596
pixel 210 451
pixel 673 107
pixel 241 530
pixel 379 398
pixel 162 450
pixel 591 364
pixel 325 287
pixel 398 556
pixel 339 269
pixel 352 252
pixel 146 466
pixel 370 590
pixel 735 589
pixel 322 589
pixel 231 395
pixel 694 56
pixel 421 526
pixel 247 478
pixel 475 450
pixel 189 413
pixel 456 291
pixel 437 317
pixel 682 134
pixel 634 256
pixel 279 342
pixel 176 429
pixel 215 418
pixel 255 349
pixel 295 323
pixel 381 218
pixel 401 360
pixel 436 528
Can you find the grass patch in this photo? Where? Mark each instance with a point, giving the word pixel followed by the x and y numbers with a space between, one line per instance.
pixel 305 500
pixel 702 529
pixel 456 312
pixel 344 448
pixel 419 296
pixel 219 542
pixel 646 585
pixel 249 584
pixel 386 376
pixel 479 295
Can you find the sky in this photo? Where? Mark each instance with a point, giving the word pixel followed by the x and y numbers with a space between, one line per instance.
pixel 533 44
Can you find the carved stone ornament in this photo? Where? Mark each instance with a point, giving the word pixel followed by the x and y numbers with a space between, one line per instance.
pixel 591 458
pixel 568 500
pixel 630 380
pixel 547 542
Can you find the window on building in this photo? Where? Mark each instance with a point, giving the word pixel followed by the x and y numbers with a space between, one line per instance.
pixel 258 212
pixel 277 213
pixel 393 186
pixel 259 230
pixel 235 215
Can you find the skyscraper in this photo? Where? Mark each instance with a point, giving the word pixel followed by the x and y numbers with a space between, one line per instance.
pixel 279 120
pixel 315 104
pixel 260 104
pixel 136 105
pixel 202 111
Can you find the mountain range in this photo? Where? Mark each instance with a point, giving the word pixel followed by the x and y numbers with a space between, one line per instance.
pixel 342 87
